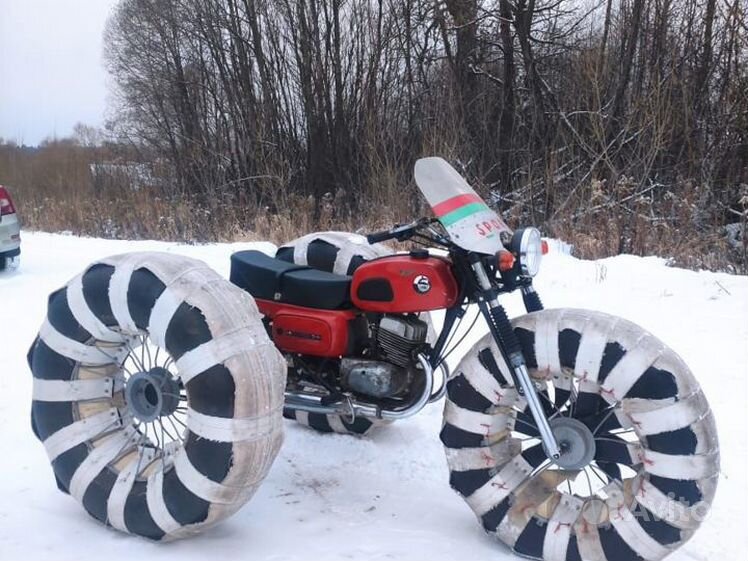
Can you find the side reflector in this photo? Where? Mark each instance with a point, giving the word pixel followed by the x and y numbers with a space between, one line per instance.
pixel 506 261
pixel 544 247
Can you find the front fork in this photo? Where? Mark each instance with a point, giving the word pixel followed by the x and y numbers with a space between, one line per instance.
pixel 506 340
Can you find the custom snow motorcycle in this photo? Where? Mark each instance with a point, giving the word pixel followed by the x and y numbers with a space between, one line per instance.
pixel 159 387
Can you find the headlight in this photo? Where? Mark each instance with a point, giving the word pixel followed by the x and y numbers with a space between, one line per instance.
pixel 528 245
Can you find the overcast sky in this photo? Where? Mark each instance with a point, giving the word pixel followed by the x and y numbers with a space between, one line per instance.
pixel 51 72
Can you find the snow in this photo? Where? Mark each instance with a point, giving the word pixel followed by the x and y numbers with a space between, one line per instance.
pixel 386 497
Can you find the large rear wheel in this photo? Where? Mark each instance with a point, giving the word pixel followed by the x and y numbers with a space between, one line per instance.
pixel 643 456
pixel 157 394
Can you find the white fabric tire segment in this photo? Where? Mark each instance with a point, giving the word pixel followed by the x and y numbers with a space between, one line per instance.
pixel 85 317
pixel 560 524
pixel 81 431
pixel 75 390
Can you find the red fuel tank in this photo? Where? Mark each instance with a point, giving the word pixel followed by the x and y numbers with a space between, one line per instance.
pixel 404 283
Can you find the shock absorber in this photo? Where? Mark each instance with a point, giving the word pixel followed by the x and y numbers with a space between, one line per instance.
pixel 507 341
pixel 531 298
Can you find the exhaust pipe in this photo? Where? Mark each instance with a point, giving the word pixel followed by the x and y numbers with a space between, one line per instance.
pixel 353 408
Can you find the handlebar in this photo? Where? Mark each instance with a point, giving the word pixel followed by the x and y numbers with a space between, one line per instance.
pixel 378 237
pixel 401 232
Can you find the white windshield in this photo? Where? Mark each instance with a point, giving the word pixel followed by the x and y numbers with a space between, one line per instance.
pixel 470 223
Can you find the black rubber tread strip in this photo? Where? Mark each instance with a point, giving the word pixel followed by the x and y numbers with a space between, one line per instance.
pixel 685 491
pixel 654 384
pixel 452 437
pixel 568 347
pixel 612 354
pixel 527 343
pixel 96 292
pixel 212 459
pixel 465 396
pixel 97 494
pixel 213 392
pixel 138 519
pixel 530 541
pixel 142 293
pixel 61 317
pixel 681 442
pixel 66 463
pixel 187 330
pixel 183 505
pixel 493 517
pixel 50 365
pixel 615 547
pixel 656 527
pixel 467 482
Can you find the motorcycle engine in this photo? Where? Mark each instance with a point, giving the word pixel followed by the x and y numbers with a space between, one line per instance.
pixel 396 339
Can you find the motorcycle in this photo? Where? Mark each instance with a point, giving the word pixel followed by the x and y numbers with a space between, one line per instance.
pixel 160 387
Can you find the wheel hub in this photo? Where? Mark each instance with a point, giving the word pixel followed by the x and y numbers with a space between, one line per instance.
pixel 152 394
pixel 576 442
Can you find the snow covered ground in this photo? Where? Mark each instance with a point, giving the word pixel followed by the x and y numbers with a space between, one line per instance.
pixel 387 497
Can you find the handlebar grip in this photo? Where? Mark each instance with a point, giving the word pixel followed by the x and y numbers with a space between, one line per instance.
pixel 377 237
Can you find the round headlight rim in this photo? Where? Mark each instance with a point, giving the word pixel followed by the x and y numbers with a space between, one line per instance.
pixel 524 248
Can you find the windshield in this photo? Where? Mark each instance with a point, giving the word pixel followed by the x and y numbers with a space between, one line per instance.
pixel 468 220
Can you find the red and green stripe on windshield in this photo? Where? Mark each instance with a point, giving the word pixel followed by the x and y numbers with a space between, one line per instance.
pixel 456 208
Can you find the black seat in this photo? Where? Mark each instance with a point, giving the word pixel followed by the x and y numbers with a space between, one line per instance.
pixel 272 279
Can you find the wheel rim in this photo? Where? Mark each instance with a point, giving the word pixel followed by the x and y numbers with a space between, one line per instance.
pixel 577 473
pixel 153 402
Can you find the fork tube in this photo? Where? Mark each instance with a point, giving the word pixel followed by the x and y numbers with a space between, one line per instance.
pixel 501 328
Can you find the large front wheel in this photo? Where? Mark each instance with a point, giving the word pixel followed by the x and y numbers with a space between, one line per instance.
pixel 157 394
pixel 642 453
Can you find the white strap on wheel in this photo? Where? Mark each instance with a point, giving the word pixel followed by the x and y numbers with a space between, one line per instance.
pixel 690 467
pixel 161 315
pixel 671 416
pixel 179 287
pixel 300 250
pixel 156 506
pixel 346 252
pixel 85 317
pixel 546 343
pixel 302 417
pixel 119 285
pixel 556 540
pixel 72 349
pixel 215 351
pixel 97 460
pixel 524 506
pixel 496 489
pixel 477 423
pixel 122 487
pixel 662 506
pixel 630 368
pixel 74 390
pixel 485 384
pixel 201 485
pixel 487 457
pixel 221 429
pixel 591 349
pixel 336 424
pixel 75 433
pixel 630 530
pixel 588 541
